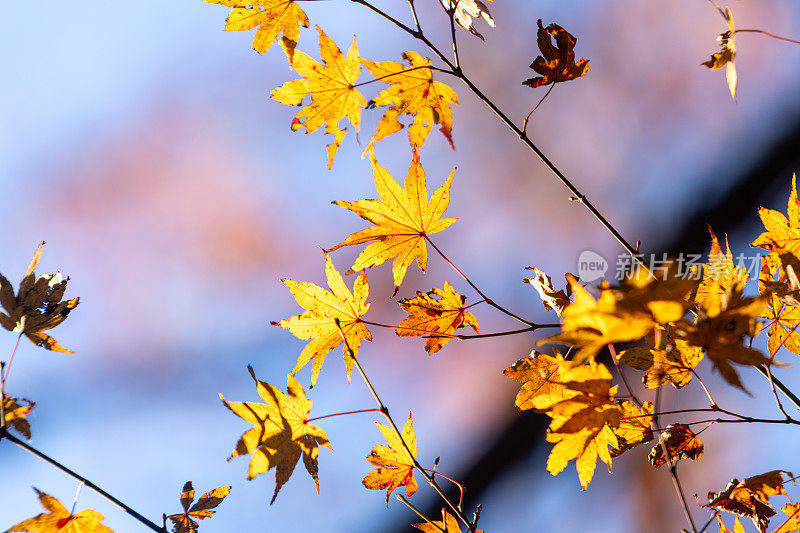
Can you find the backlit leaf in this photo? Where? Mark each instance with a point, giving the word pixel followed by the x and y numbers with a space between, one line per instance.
pixel 557 63
pixel 58 519
pixel 16 411
pixel 395 463
pixel 204 508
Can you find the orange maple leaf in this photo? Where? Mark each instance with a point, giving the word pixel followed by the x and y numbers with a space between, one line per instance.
pixel 37 306
pixel 323 309
pixel 431 315
pixel 332 86
pixel 448 524
pixel 395 462
pixel 271 17
pixel 557 63
pixel 403 217
pixel 750 497
pixel 413 92
pixel 281 433
pixel 58 520
pixel 185 522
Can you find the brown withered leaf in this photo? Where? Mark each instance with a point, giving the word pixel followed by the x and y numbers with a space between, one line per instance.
pixel 185 522
pixel 37 306
pixel 551 299
pixel 58 519
pixel 317 323
pixel 437 311
pixel 750 498
pixel 681 443
pixel 557 63
pixel 727 55
pixel 16 411
pixel 281 434
pixel 414 92
pixel 395 463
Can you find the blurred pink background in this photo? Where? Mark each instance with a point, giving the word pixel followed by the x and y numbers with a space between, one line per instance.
pixel 138 140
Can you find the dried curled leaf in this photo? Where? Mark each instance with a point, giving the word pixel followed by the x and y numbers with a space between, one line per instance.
pixel 681 443
pixel 432 315
pixel 37 306
pixel 281 433
pixel 551 299
pixel 466 10
pixel 750 498
pixel 557 63
pixel 58 519
pixel 16 411
pixel 318 322
pixel 727 55
pixel 332 86
pixel 395 462
pixel 185 522
pixel 271 17
pixel 412 92
pixel 403 218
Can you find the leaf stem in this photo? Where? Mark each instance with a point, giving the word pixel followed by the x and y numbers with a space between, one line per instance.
pixel 615 359
pixel 344 413
pixel 452 14
pixel 768 34
pixel 431 479
pixel 405 71
pixel 525 122
pixel 11 360
pixel 4 434
pixel 475 287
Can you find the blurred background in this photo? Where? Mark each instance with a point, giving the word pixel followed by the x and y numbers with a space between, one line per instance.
pixel 139 141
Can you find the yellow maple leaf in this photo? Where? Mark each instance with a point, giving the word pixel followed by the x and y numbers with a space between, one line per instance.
pixel 672 361
pixel 281 433
pixel 15 412
pixel 635 427
pixel 318 322
pixel 721 327
pixel 431 315
pixel 395 463
pixel 403 217
pixel 413 92
pixel 448 524
pixel 37 306
pixel 548 380
pixel 58 520
pixel 727 55
pixel 271 17
pixel 332 86
pixel 781 233
pixel 792 523
pixel 185 522
pixel 784 326
pixel 719 273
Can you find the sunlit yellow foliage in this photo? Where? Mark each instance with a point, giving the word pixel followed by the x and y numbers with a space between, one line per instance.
pixel 58 519
pixel 395 462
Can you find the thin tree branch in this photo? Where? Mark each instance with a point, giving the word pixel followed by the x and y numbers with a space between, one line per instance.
pixel 780 386
pixel 25 446
pixel 385 412
pixel 419 513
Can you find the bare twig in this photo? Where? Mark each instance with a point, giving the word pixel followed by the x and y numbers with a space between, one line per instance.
pixel 419 513
pixel 4 434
